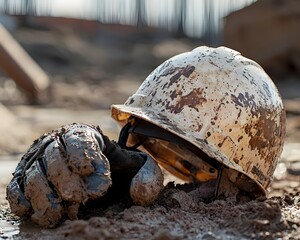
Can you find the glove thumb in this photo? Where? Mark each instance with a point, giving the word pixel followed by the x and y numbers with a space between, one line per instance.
pixel 147 184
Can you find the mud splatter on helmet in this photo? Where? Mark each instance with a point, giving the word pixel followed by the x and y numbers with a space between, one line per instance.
pixel 218 102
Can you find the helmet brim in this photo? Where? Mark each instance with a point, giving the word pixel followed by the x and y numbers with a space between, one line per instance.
pixel 122 113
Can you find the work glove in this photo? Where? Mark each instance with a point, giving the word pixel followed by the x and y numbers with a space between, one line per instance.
pixel 72 165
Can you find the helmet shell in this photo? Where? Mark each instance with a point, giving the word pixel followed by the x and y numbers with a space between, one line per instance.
pixel 223 103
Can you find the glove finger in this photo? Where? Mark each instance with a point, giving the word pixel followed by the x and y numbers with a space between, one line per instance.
pixel 82 148
pixel 68 185
pixel 98 183
pixel 147 183
pixel 45 202
pixel 15 190
pixel 19 205
pixel 67 168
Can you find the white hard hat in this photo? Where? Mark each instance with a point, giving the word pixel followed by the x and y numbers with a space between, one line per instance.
pixel 220 102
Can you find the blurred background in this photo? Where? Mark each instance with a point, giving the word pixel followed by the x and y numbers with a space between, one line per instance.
pixel 68 61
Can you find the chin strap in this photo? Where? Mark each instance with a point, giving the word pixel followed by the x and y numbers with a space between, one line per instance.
pixel 123 138
pixel 220 173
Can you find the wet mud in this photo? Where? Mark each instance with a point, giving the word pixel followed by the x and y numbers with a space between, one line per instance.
pixel 179 213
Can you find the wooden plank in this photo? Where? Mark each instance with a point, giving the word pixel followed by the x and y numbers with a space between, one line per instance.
pixel 18 65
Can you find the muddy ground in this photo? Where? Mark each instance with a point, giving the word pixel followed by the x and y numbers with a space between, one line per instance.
pixel 88 74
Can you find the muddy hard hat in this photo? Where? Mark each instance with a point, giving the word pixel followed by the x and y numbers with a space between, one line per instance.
pixel 220 102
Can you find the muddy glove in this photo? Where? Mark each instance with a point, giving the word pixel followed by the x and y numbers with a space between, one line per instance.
pixel 71 165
